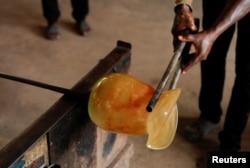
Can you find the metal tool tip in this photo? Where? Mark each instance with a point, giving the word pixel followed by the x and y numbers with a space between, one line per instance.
pixel 149 108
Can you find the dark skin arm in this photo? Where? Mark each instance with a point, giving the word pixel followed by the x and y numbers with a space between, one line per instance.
pixel 183 20
pixel 203 41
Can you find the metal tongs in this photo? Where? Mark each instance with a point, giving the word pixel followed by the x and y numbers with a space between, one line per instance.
pixel 181 55
pixel 173 70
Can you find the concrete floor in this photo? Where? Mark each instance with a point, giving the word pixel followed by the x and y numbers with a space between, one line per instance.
pixel 145 24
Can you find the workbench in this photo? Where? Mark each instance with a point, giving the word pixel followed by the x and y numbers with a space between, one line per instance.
pixel 64 136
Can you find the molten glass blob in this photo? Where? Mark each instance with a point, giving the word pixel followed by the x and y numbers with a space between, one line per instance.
pixel 118 103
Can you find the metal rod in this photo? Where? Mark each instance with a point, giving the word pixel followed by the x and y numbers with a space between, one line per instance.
pixel 176 75
pixel 41 85
pixel 165 77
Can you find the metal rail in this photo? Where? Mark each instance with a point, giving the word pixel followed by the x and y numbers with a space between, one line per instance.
pixel 118 60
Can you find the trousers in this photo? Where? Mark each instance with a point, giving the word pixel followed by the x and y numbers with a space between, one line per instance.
pixel 213 72
pixel 51 10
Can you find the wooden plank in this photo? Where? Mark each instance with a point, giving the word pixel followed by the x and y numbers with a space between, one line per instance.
pixel 123 158
pixel 109 145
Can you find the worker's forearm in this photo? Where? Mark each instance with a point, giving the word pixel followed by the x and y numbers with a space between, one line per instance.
pixel 233 12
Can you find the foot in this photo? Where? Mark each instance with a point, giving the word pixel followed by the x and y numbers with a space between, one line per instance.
pixel 197 130
pixel 83 28
pixel 52 32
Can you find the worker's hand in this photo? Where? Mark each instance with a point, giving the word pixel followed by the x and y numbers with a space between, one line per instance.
pixel 202 43
pixel 183 21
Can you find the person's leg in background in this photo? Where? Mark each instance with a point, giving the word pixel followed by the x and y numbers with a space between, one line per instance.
pixel 80 13
pixel 51 13
pixel 239 107
pixel 212 76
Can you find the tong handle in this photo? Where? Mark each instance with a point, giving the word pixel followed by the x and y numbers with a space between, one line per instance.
pixel 165 77
pixel 176 75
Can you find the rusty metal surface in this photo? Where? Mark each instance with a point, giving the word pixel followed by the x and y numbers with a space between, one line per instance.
pixel 35 157
pixel 73 141
pixel 118 60
pixel 72 138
